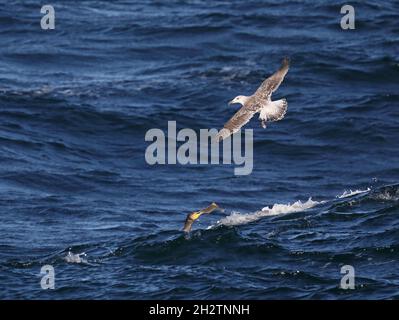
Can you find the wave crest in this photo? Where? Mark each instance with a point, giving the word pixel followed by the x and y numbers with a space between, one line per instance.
pixel 351 193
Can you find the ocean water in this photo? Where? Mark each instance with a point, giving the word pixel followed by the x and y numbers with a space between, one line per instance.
pixel 76 192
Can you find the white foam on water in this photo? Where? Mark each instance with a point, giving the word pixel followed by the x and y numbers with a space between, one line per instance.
pixel 277 209
pixel 351 193
pixel 387 196
pixel 75 258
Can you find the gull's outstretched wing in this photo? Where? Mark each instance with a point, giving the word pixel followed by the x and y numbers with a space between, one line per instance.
pixel 241 118
pixel 212 207
pixel 272 83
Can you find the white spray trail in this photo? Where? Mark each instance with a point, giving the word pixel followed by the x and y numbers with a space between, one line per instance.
pixel 238 218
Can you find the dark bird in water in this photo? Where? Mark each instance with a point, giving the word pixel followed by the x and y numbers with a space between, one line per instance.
pixel 260 102
pixel 191 217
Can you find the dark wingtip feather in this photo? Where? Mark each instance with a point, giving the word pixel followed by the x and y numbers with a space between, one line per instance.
pixel 286 62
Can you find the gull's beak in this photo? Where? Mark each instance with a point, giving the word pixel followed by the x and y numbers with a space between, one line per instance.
pixel 231 102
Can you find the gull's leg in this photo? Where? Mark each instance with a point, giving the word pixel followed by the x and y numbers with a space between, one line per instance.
pixel 262 118
pixel 263 124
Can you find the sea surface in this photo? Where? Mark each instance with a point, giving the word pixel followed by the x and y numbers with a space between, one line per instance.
pixel 77 194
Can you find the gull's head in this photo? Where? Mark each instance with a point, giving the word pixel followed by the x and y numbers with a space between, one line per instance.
pixel 239 99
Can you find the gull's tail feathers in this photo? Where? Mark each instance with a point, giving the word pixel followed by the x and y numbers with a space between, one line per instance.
pixel 274 111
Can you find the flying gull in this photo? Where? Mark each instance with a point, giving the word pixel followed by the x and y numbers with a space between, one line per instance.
pixel 260 102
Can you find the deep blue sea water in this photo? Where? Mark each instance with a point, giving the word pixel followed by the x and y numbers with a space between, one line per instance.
pixel 77 194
